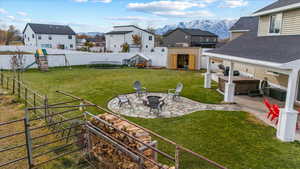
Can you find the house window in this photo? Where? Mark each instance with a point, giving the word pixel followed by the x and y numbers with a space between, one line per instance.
pixel 150 37
pixel 275 23
pixel 70 37
pixel 186 37
pixel 71 46
pixel 39 37
pixel 146 46
pixel 32 36
pixel 49 37
pixel 25 36
pixel 28 38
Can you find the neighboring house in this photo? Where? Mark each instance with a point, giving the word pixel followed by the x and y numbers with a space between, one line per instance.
pixel 271 52
pixel 243 25
pixel 49 36
pixel 124 34
pixel 190 38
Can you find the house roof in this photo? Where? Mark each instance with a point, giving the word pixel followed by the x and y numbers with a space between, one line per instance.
pixel 276 49
pixel 118 32
pixel 193 32
pixel 50 29
pixel 245 24
pixel 277 5
pixel 135 27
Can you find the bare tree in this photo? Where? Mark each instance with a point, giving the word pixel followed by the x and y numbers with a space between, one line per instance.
pixel 17 62
pixel 11 34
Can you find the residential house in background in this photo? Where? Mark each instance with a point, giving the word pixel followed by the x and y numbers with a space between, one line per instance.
pixel 270 52
pixel 49 36
pixel 190 38
pixel 243 25
pixel 121 35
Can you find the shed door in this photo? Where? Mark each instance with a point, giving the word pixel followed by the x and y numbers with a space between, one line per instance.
pixel 192 59
pixel 173 61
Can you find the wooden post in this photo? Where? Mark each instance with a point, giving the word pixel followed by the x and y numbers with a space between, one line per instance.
pixel 19 89
pixel 7 83
pixel 34 102
pixel 14 85
pixel 46 108
pixel 26 104
pixel 177 158
pixel 28 140
pixel 2 79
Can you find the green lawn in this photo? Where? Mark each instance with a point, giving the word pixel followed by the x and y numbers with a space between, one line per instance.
pixel 234 139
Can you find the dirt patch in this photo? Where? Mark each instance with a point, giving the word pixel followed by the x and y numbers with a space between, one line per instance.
pixel 251 118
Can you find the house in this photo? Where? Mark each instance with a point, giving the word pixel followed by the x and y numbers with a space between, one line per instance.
pixel 49 36
pixel 270 52
pixel 190 38
pixel 122 35
pixel 242 26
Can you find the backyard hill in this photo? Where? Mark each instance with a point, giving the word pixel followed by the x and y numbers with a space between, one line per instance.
pixel 219 27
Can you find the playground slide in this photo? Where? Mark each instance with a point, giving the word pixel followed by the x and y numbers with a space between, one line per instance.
pixel 30 65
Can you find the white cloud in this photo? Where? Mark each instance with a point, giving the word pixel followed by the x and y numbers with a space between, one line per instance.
pixel 2 11
pixel 22 13
pixel 165 5
pixel 136 18
pixel 103 1
pixel 11 17
pixel 234 3
pixel 185 14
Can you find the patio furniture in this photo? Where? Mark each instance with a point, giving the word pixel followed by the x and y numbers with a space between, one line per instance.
pixel 153 103
pixel 175 93
pixel 269 106
pixel 276 112
pixel 123 100
pixel 139 89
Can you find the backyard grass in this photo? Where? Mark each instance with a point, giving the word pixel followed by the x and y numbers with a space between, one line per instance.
pixel 234 139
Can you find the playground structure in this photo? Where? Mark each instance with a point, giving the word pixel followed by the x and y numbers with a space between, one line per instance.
pixel 41 59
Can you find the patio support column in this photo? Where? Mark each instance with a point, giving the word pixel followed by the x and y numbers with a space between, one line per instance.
pixel 286 129
pixel 229 86
pixel 207 80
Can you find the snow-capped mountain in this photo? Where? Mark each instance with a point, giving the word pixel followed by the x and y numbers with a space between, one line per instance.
pixel 218 27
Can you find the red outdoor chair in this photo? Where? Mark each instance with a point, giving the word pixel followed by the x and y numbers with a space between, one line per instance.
pixel 269 106
pixel 276 112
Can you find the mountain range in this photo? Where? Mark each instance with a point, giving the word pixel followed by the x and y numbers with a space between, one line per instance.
pixel 218 27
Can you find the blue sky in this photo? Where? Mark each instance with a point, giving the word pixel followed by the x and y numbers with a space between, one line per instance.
pixel 101 15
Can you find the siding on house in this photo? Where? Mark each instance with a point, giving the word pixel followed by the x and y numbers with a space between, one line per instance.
pixel 177 36
pixel 290 23
pixel 263 26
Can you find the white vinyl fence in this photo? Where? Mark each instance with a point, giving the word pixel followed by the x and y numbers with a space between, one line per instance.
pixel 158 57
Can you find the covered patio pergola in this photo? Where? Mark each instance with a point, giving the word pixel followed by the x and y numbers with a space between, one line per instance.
pixel 286 128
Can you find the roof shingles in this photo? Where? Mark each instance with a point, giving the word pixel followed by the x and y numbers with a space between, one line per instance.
pixel 51 29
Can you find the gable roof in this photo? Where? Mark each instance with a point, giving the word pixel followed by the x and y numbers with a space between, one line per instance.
pixel 50 29
pixel 279 5
pixel 193 32
pixel 135 27
pixel 245 24
pixel 276 49
pixel 118 32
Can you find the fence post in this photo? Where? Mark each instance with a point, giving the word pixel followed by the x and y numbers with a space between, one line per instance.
pixel 177 158
pixel 26 104
pixel 19 89
pixel 28 139
pixel 14 84
pixel 34 102
pixel 7 83
pixel 2 79
pixel 46 108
